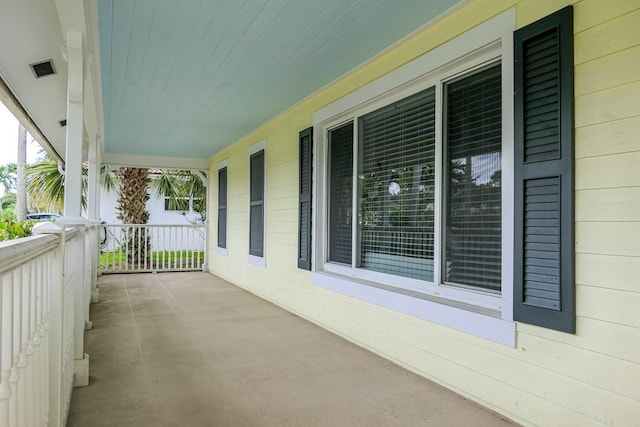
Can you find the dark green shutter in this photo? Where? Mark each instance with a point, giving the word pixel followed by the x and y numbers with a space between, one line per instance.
pixel 222 208
pixel 544 290
pixel 304 212
pixel 256 204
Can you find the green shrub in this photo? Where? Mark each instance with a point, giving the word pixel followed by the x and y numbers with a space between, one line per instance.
pixel 10 229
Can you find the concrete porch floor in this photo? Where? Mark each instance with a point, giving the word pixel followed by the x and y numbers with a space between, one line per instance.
pixel 190 349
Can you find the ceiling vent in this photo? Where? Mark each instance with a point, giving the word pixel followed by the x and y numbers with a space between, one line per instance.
pixel 42 69
pixel 63 123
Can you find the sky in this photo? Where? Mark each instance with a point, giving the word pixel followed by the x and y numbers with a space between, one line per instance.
pixel 9 139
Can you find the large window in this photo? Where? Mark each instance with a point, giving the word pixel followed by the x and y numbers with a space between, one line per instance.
pixel 444 189
pixel 414 203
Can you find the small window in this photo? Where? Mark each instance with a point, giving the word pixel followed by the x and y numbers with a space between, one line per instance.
pixel 178 204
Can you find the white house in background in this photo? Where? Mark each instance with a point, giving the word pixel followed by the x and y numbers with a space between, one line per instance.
pixel 160 210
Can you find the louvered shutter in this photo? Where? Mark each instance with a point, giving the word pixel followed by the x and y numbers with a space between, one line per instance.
pixel 222 208
pixel 544 292
pixel 304 212
pixel 256 204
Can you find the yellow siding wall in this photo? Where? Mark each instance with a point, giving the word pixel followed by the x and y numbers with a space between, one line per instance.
pixel 550 378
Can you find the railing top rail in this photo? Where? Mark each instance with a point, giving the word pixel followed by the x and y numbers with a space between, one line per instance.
pixel 19 251
pixel 70 233
pixel 155 225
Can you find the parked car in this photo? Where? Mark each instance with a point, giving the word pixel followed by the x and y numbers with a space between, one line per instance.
pixel 43 216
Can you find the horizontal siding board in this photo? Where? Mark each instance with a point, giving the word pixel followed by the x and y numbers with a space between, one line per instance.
pixel 615 171
pixel 617 103
pixel 592 13
pixel 609 305
pixel 594 335
pixel 608 238
pixel 616 137
pixel 597 369
pixel 618 69
pixel 608 205
pixel 606 271
pixel 612 36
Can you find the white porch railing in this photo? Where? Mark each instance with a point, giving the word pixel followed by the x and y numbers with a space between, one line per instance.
pixel 152 248
pixel 44 298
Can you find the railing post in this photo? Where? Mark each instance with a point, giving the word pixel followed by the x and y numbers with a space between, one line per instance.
pixel 205 264
pixel 76 249
pixel 93 250
pixel 54 296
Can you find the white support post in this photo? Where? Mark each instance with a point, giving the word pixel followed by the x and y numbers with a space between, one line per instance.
pixel 205 263
pixel 75 126
pixel 72 201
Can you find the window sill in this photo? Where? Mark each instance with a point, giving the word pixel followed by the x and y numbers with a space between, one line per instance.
pixel 222 251
pixel 256 260
pixel 478 321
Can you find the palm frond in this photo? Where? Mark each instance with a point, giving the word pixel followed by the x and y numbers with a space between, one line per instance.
pixel 45 184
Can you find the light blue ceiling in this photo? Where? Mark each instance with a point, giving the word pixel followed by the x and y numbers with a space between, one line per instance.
pixel 186 78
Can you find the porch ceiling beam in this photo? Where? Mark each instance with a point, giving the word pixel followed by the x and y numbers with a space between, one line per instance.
pixel 155 162
pixel 13 104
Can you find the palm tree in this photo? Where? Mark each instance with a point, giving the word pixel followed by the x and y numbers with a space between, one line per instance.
pixel 8 177
pixel 21 175
pixel 133 184
pixel 45 184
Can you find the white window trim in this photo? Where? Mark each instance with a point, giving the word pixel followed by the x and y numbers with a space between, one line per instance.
pixel 255 148
pixel 221 165
pixel 483 314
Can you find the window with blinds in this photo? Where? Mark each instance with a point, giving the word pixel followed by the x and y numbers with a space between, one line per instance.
pixel 341 193
pixel 396 188
pixel 473 233
pixel 418 220
pixel 256 204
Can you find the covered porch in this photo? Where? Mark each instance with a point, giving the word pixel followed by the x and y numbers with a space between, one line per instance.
pixel 192 349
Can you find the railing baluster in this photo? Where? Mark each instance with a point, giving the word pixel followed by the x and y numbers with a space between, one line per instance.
pixel 37 343
pixel 26 344
pixel 6 359
pixel 12 286
pixel 181 266
pixel 20 346
pixel 169 248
